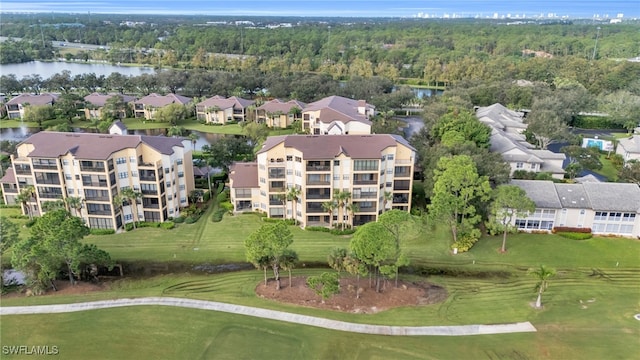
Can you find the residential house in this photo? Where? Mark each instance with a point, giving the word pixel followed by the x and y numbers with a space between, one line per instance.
pixel 629 148
pixel 279 114
pixel 605 208
pixel 148 105
pixel 95 102
pixel 97 167
pixel 376 170
pixel 15 107
pixel 118 128
pixel 9 187
pixel 507 140
pixel 220 110
pixel 337 115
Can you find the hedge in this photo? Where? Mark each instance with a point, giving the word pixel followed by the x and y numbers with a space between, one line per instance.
pixel 168 225
pixel 575 235
pixel 336 231
pixel 102 231
pixel 178 220
pixel 567 229
pixel 218 214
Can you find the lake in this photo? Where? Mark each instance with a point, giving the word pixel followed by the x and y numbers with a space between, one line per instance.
pixel 47 69
pixel 21 133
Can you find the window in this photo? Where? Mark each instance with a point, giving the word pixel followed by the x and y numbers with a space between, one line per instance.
pixel 134 174
pixel 345 177
pixel 298 159
pixel 132 159
pixel 170 197
pixel 180 174
pixel 298 173
pixel 390 157
pixel 183 199
pixel 68 177
pixel 170 211
pixel 383 158
pixel 100 223
pixel 166 170
pixel 128 217
pixel 336 162
pixel 519 165
pixel 121 160
pixel 123 175
pixel 360 165
pixel 289 158
pixel 389 171
pixel 65 162
pixel 262 180
pixel 179 161
pixel 168 183
pixel 181 187
pixel 389 184
pixel 70 191
pixel 289 171
pixel 336 177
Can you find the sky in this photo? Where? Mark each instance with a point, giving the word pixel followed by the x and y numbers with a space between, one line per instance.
pixel 346 8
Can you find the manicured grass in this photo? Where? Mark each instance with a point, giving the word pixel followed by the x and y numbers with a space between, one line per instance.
pixel 600 327
pixel 16 123
pixel 608 170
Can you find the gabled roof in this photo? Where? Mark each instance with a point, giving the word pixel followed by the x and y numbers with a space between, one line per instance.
pixel 330 146
pixel 276 105
pixel 49 144
pixel 156 100
pixel 9 177
pixel 224 103
pixel 630 144
pixel 100 99
pixel 120 125
pixel 244 175
pixel 339 108
pixel 497 115
pixel 42 99
pixel 543 193
pixel 598 196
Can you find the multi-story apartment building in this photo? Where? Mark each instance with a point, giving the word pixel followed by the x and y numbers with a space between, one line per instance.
pixel 15 107
pixel 220 110
pixel 376 171
pixel 147 106
pixel 95 102
pixel 279 114
pixel 337 115
pixel 96 168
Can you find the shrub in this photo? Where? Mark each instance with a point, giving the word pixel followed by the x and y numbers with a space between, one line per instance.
pixel 167 225
pixel 466 241
pixel 142 224
pixel 102 231
pixel 218 214
pixel 128 227
pixel 317 228
pixel 5 206
pixel 575 235
pixel 223 196
pixel 566 229
pixel 178 220
pixel 227 206
pixel 192 219
pixel 30 223
pixel 274 220
pixel 207 196
pixel 342 232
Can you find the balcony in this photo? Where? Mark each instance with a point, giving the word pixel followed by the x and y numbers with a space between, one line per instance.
pixel 312 208
pixel 100 169
pixel 147 178
pixel 319 168
pixel 153 192
pixel 10 190
pixel 97 198
pixel 318 196
pixel 22 169
pixel 45 167
pixel 365 195
pixel 275 202
pixel 243 205
pixel 400 198
pixel 96 183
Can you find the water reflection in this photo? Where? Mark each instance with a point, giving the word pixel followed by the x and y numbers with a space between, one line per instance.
pixel 22 133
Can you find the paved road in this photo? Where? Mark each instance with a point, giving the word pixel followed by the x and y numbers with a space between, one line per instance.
pixel 460 330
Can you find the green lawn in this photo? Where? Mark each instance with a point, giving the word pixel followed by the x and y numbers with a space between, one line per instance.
pixel 608 170
pixel 600 327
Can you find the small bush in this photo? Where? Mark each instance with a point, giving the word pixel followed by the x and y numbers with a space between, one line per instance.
pixel 128 227
pixel 191 219
pixel 143 224
pixel 178 220
pixel 566 229
pixel 102 231
pixel 274 220
pixel 223 196
pixel 218 214
pixel 575 235
pixel 466 241
pixel 30 223
pixel 317 228
pixel 342 232
pixel 5 206
pixel 227 206
pixel 168 225
pixel 18 216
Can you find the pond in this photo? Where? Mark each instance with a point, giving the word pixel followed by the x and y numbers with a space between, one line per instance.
pixel 46 69
pixel 21 133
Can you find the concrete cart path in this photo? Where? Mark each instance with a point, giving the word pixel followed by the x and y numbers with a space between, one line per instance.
pixel 459 330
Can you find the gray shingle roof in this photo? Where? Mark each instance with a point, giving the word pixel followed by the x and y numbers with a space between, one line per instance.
pixel 9 177
pixel 222 103
pixel 156 100
pixel 630 144
pixel 543 193
pixel 497 115
pixel 100 99
pixel 599 196
pixel 48 144
pixel 279 105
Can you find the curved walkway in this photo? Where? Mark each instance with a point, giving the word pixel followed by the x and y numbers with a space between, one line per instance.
pixel 459 330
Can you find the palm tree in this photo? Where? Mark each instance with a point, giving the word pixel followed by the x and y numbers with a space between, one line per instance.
pixel 283 197
pixel 386 198
pixel 293 195
pixel 214 109
pixel 352 208
pixel 543 274
pixel 131 196
pixel 330 206
pixel 24 197
pixel 176 131
pixel 74 203
pixel 342 198
pixel 194 139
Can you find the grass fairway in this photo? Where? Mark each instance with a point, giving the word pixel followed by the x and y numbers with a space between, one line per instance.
pixel 601 327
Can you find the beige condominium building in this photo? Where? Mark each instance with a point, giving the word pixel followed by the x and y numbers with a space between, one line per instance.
pixel 96 168
pixel 375 170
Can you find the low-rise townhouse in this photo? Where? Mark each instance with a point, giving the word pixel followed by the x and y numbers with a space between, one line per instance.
pixel 221 110
pixel 96 101
pixel 605 208
pixel 15 107
pixel 279 114
pixel 147 106
pixel 337 115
